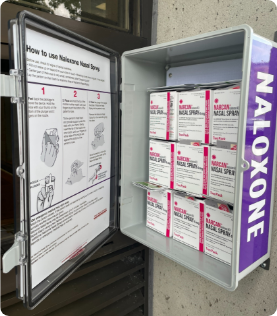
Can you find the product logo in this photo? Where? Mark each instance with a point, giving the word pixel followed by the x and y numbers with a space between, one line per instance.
pixel 175 203
pixel 151 148
pixel 233 147
pixel 195 144
pixel 100 166
pixel 98 95
pixel 181 101
pixel 216 101
pixel 180 158
pixel 148 193
pixel 154 154
pixel 212 222
pixel 149 198
pixel 185 107
pixel 215 193
pixel 179 152
pixel 151 102
pixel 190 198
pixel 213 156
pixel 179 236
pixel 184 134
pixel 219 164
pixel 218 138
pixel 211 250
pixel 208 215
pixel 222 106
pixel 180 210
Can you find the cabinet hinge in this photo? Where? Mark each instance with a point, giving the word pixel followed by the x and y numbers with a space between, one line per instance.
pixel 16 255
pixel 11 85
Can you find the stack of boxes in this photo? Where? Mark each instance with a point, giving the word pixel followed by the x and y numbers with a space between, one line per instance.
pixel 193 142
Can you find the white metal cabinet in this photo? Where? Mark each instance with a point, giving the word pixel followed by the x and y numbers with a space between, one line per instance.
pixel 233 53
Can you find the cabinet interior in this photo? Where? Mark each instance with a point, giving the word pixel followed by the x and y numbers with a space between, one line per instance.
pixel 211 58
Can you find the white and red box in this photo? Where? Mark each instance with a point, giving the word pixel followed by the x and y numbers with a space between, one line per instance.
pixel 159 211
pixel 162 163
pixel 225 115
pixel 218 231
pixel 163 122
pixel 188 221
pixel 222 173
pixel 192 168
pixel 194 116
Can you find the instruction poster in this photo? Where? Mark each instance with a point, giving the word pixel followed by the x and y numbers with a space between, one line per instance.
pixel 69 108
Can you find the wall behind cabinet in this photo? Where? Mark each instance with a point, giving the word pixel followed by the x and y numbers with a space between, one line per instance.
pixel 178 291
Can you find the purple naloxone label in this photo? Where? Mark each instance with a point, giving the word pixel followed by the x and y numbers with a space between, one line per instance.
pixel 259 152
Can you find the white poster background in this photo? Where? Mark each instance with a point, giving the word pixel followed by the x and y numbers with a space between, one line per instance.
pixel 54 250
pixel 91 79
pixel 76 213
pixel 77 149
pixel 99 151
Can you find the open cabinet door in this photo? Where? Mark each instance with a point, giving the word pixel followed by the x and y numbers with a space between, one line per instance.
pixel 66 91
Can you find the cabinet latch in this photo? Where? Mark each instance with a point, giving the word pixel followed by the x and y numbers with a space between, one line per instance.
pixel 20 171
pixel 16 255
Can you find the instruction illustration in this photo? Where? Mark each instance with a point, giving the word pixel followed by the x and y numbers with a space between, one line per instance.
pixel 99 137
pixel 50 147
pixel 46 193
pixel 76 172
pixel 95 174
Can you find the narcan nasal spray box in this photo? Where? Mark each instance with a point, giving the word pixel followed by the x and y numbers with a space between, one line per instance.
pixel 222 173
pixel 192 168
pixel 218 231
pixel 163 122
pixel 162 163
pixel 159 211
pixel 194 115
pixel 188 221
pixel 225 115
